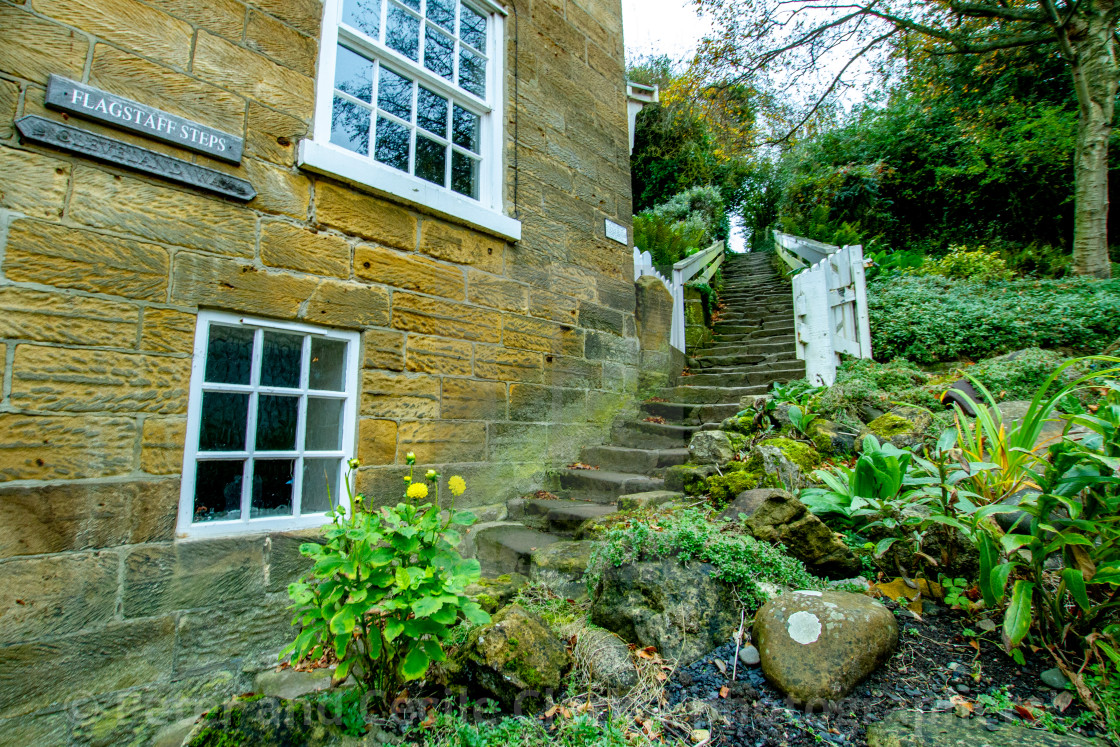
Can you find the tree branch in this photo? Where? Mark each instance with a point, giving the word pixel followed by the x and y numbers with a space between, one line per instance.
pixel 978 10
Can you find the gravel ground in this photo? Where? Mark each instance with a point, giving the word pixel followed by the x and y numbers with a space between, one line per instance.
pixel 935 668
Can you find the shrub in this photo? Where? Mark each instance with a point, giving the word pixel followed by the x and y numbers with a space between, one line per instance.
pixel 929 319
pixel 682 225
pixel 961 264
pixel 862 383
pixel 1017 376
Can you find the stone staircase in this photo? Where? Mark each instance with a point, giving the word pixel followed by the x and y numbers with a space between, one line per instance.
pixel 752 346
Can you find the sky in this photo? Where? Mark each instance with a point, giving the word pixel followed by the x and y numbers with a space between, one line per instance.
pixel 663 26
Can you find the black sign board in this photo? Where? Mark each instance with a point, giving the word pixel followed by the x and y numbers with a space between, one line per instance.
pixel 116 111
pixel 48 132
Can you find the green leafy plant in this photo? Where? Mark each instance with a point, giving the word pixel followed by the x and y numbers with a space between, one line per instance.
pixel 961 263
pixel 386 589
pixel 802 418
pixel 954 591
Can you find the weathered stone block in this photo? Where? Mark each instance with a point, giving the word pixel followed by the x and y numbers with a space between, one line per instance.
pixel 390 395
pixel 527 333
pixel 607 347
pixel 470 399
pixel 572 281
pixel 497 293
pixel 441 443
pixel 148 31
pixel 250 635
pixel 359 214
pixel 81 380
pixel 228 284
pixel 552 306
pixel 377 441
pixel 603 407
pixel 461 245
pixel 50 595
pixel 566 441
pixel 279 191
pixel 281 43
pixel 53 317
pixel 303 14
pixel 189 575
pixel 273 135
pixel 576 373
pixel 654 313
pixel 161 445
pixel 65 447
pixel 223 17
pixel 438 355
pixel 118 656
pixel 167 331
pixel 32 47
pixel 349 305
pixel 159 86
pixel 284 562
pixel 408 271
pixel 601 318
pixel 546 404
pixel 41 728
pixel 496 362
pixel 429 316
pixel 33 184
pixel 384 349
pixel 252 75
pixel 161 213
pixel 9 99
pixel 517 442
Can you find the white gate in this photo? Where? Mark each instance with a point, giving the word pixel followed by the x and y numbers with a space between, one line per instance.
pixel 829 304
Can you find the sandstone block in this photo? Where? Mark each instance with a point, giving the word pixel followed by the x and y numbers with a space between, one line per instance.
pixel 593 316
pixel 553 306
pixel 279 191
pixel 602 407
pixel 527 333
pixel 566 440
pixel 576 373
pixel 617 294
pixel 161 445
pixel 50 595
pixel 442 443
pixel 79 380
pixel 496 362
pixel 223 283
pixel 32 47
pixel 574 282
pixel 250 634
pixel 9 99
pixel 148 32
pixel 33 184
pixel 492 291
pixel 470 399
pixel 65 447
pixel 159 86
pixel 223 17
pixel 390 395
pixel 303 14
pixel 273 135
pixel 252 75
pixel 384 349
pixel 351 305
pixel 517 442
pixel 358 214
pixel 167 331
pixel 281 43
pixel 188 575
pixel 53 317
pixel 438 355
pixel 546 404
pixel 461 245
pixel 408 271
pixel 162 214
pixel 429 316
pixel 377 441
pixel 608 347
pixel 284 561
pixel 41 728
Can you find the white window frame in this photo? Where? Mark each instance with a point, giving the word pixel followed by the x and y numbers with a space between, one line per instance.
pixel 187 528
pixel 320 155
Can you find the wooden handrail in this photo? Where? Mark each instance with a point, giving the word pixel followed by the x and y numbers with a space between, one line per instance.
pixel 683 271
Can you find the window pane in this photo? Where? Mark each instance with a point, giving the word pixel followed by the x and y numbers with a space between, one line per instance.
pixel 392 144
pixel 431 160
pixel 320 485
pixel 472 28
pixel 223 423
pixel 402 33
pixel 431 112
pixel 276 423
pixel 350 126
pixel 229 355
pixel 364 15
pixel 328 364
pixel 442 12
pixel 324 424
pixel 280 360
pixel 464 129
pixel 439 53
pixel 472 73
pixel 272 487
pixel 414 4
pixel 217 491
pixel 394 94
pixel 464 175
pixel 353 74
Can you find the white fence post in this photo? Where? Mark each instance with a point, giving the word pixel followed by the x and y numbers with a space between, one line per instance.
pixel 814 336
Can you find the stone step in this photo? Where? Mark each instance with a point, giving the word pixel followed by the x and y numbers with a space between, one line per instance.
pixel 638 461
pixel 643 435
pixel 561 518
pixel 719 395
pixel 687 413
pixel 600 486
pixel 761 377
pixel 509 548
pixel 771 327
pixel 752 339
pixel 733 361
pixel 766 351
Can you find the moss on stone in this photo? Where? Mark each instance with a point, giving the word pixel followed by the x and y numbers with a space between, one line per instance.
pixel 804 456
pixel 889 425
pixel 727 487
pixel 738 440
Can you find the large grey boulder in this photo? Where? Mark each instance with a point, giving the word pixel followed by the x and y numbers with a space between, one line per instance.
pixel 678 608
pixel 816 646
pixel 904 426
pixel 710 447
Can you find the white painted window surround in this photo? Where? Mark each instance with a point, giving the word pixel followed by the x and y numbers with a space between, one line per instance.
pixel 321 155
pixel 271 422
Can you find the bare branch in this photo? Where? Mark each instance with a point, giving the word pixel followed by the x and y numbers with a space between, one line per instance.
pixel 979 10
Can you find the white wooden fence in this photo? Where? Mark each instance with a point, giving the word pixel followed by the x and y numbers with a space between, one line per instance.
pixel 829 304
pixel 701 267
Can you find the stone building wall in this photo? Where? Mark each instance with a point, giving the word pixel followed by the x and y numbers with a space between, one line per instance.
pixel 490 359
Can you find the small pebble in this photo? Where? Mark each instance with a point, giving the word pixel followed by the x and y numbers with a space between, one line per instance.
pixel 942 705
pixel 749 656
pixel 1054 678
pixel 962 689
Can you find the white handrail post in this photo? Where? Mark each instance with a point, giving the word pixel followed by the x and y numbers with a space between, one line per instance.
pixel 811 299
pixel 863 315
pixel 676 335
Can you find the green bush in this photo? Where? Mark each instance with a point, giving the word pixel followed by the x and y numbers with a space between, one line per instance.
pixel 682 225
pixel 962 264
pixel 1018 377
pixel 929 319
pixel 862 383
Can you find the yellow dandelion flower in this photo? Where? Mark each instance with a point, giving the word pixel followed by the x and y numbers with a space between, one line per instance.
pixel 457 485
pixel 417 491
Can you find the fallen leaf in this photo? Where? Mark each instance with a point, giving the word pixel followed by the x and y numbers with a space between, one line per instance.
pixel 721 665
pixel 1024 712
pixel 551 712
pixel 647 653
pixel 565 712
pixel 986 625
pixel 723 691
pixel 1063 700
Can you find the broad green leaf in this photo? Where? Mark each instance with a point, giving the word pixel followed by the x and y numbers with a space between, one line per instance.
pixel 1017 618
pixel 989 557
pixel 340 643
pixel 446 614
pixel 311 549
pixel 947 440
pixel 426 606
pixel 328 565
pixel 344 621
pixel 1012 542
pixel 475 614
pixel 393 628
pixel 415 664
pixel 374 642
pixel 433 649
pixel 381 556
pixel 463 518
pixel 883 545
pixel 1000 576
pixel 342 670
pixel 1075 584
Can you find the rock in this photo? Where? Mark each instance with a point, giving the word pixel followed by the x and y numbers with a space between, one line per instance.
pixel 288 683
pixel 515 659
pixel 607 660
pixel 710 447
pixel 780 414
pixel 828 437
pixel 904 426
pixel 495 593
pixel 690 479
pixel 817 645
pixel 752 401
pixel 649 499
pixel 956 394
pixel 736 424
pixel 561 565
pixel 724 488
pixel 749 656
pixel 699 735
pixel 906 728
pixel 678 608
pixel 1053 678
pixel 278 722
pixel 777 517
pixel 789 461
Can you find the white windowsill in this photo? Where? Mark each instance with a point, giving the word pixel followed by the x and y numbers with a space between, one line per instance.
pixel 336 162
